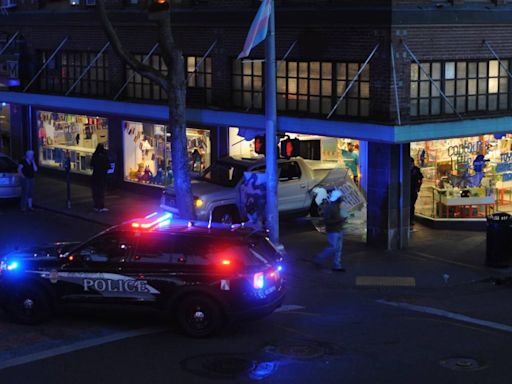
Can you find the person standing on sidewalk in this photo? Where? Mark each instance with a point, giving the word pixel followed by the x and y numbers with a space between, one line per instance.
pixel 334 228
pixel 100 165
pixel 26 171
pixel 416 181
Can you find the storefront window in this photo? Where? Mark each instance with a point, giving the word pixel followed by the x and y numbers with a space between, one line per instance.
pixel 312 147
pixel 5 129
pixel 59 133
pixel 464 177
pixel 147 152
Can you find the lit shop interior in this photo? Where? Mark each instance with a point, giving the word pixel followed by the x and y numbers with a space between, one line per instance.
pixel 464 178
pixel 147 152
pixel 5 129
pixel 59 133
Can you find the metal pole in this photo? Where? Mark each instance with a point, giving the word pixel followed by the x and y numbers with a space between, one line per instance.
pixel 87 68
pixel 278 67
pixel 497 58
pixel 395 86
pixel 67 168
pixel 202 60
pixel 353 80
pixel 46 63
pixel 9 42
pixel 146 58
pixel 30 143
pixel 272 213
pixel 431 80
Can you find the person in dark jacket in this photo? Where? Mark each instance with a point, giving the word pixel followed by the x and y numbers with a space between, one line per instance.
pixel 26 172
pixel 100 165
pixel 416 181
pixel 334 228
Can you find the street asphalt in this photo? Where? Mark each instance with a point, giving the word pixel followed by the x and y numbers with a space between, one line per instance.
pixel 433 313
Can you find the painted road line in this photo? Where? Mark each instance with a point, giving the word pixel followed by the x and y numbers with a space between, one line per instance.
pixel 422 255
pixel 386 281
pixel 289 308
pixel 449 315
pixel 77 346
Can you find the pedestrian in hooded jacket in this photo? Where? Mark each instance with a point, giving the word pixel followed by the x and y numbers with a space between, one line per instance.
pixel 334 228
pixel 100 164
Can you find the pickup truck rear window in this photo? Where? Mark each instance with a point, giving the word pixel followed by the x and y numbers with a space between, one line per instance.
pixel 224 173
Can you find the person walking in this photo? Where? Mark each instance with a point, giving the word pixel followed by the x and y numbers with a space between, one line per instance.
pixel 351 160
pixel 100 165
pixel 416 181
pixel 26 171
pixel 334 222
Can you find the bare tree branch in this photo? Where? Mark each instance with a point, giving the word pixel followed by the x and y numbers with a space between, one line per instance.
pixel 143 69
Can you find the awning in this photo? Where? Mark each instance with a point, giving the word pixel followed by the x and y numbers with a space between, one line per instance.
pixel 253 124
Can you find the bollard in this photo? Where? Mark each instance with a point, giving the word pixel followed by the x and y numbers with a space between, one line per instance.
pixel 67 168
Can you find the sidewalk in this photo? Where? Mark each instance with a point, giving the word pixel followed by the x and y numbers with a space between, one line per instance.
pixel 432 254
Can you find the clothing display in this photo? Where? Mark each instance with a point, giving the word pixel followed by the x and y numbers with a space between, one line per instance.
pixel 60 132
pixel 147 152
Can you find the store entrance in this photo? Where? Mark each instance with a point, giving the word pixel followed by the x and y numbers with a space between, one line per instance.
pixel 5 129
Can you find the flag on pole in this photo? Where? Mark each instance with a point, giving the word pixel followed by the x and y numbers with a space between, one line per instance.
pixel 259 28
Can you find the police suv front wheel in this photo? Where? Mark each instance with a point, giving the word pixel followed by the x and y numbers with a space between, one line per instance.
pixel 28 306
pixel 199 316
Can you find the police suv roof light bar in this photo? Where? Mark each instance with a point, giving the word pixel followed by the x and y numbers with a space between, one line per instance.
pixel 166 217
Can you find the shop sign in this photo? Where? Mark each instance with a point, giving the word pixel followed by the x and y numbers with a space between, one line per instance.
pixel 468 148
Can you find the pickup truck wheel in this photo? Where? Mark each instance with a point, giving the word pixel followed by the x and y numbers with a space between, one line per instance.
pixel 226 215
pixel 28 306
pixel 199 316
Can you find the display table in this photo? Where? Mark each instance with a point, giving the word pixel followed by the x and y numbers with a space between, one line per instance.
pixel 504 190
pixel 464 207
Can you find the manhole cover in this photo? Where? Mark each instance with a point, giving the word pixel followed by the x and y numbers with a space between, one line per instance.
pixel 298 351
pixel 462 364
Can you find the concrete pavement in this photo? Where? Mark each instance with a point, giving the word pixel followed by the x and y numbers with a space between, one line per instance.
pixel 452 247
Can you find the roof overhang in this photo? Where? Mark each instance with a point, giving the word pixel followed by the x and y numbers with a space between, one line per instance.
pixel 208 117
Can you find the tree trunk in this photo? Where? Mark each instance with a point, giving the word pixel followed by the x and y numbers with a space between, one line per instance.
pixel 177 94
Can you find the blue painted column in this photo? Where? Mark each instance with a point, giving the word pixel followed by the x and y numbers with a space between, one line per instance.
pixel 388 195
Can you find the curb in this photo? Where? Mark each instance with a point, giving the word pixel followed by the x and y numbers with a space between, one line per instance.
pixel 73 215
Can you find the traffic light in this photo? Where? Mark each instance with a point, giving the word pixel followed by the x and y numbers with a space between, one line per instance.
pixel 290 148
pixel 158 5
pixel 259 145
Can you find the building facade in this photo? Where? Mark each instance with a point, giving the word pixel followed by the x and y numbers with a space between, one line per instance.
pixel 401 78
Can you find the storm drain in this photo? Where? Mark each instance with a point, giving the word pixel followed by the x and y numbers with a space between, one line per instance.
pixel 302 349
pixel 386 281
pixel 228 366
pixel 462 364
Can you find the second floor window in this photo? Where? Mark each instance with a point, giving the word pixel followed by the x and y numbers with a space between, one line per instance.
pixel 305 87
pixel 199 75
pixel 140 87
pixel 67 66
pixel 248 84
pixel 470 86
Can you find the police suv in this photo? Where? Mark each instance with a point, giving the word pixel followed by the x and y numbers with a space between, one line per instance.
pixel 202 274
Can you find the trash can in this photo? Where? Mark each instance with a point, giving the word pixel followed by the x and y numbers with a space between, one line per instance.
pixel 499 236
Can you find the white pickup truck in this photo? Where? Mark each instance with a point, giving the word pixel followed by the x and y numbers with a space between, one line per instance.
pixel 216 190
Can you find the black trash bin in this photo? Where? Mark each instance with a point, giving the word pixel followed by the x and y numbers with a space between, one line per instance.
pixel 499 240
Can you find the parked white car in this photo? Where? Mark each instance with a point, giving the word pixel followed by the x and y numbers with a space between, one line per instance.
pixel 216 190
pixel 9 180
